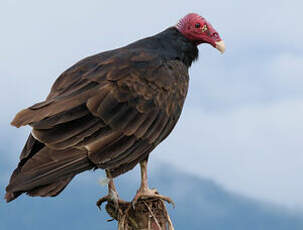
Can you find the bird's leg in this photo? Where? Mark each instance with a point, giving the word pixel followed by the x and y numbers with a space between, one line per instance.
pixel 112 195
pixel 144 191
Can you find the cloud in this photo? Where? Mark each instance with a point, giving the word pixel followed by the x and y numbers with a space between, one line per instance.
pixel 242 119
pixel 227 82
pixel 286 71
pixel 255 150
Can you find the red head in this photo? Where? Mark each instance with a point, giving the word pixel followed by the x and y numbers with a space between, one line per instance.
pixel 198 30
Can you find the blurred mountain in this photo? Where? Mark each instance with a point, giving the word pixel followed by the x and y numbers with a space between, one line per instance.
pixel 200 204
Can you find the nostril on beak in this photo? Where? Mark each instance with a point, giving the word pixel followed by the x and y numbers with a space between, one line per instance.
pixel 215 36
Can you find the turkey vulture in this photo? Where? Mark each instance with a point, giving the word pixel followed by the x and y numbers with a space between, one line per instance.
pixel 109 111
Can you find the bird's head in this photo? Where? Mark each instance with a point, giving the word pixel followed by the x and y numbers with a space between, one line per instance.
pixel 198 30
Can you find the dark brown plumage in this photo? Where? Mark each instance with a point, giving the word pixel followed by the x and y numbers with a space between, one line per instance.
pixel 107 111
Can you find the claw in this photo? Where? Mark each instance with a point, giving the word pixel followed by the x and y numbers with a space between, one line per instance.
pixel 101 201
pixel 150 193
pixel 108 198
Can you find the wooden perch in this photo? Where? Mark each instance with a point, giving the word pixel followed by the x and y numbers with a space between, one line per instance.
pixel 149 214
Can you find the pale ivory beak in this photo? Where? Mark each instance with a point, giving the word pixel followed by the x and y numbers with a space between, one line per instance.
pixel 220 46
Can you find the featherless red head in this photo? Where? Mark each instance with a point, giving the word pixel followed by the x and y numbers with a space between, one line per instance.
pixel 198 30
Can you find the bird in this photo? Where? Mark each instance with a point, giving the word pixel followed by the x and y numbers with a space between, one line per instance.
pixel 110 111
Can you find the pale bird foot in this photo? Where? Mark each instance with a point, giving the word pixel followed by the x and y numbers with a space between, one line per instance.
pixel 111 197
pixel 150 194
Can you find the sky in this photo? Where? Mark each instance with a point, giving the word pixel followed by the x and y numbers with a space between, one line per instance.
pixel 242 121
pixel 209 206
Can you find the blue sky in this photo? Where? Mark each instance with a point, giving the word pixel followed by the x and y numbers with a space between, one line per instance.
pixel 200 203
pixel 242 122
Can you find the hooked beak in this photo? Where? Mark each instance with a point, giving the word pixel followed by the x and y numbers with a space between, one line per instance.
pixel 220 46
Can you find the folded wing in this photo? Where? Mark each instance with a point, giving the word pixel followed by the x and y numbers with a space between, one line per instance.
pixel 108 111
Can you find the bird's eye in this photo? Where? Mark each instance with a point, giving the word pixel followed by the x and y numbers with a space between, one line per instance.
pixel 197 25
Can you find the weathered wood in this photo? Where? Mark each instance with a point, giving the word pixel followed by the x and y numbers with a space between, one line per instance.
pixel 149 214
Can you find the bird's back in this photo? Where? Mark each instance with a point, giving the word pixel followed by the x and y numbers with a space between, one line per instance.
pixel 107 111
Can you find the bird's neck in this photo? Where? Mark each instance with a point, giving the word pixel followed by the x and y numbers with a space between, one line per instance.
pixel 171 45
pixel 178 46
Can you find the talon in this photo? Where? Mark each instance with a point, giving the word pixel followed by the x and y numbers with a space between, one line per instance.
pixel 116 201
pixel 168 200
pixel 150 193
pixel 145 192
pixel 101 201
pixel 161 197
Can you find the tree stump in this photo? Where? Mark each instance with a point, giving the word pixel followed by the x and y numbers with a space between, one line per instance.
pixel 148 214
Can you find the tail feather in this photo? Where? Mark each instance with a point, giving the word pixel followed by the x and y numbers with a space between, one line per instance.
pixel 51 189
pixel 47 173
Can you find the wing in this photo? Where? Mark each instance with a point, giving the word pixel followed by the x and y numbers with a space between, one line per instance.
pixel 117 107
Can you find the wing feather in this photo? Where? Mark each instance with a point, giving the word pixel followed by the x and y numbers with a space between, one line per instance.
pixel 61 118
pixel 41 111
pixel 116 108
pixel 65 131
